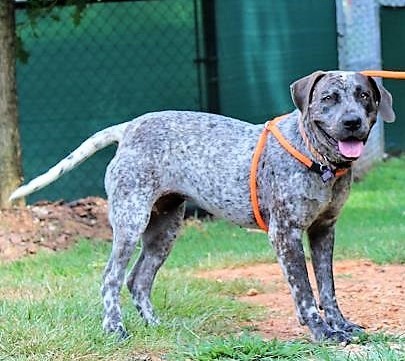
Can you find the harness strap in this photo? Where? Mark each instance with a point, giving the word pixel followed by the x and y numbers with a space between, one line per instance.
pixel 271 126
pixel 252 180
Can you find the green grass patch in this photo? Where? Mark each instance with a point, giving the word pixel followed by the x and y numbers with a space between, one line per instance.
pixel 50 309
pixel 372 224
pixel 50 304
pixel 253 348
pixel 213 244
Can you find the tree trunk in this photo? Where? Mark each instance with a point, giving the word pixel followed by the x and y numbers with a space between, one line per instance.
pixel 10 150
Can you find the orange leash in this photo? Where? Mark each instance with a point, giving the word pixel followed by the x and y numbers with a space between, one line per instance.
pixel 388 74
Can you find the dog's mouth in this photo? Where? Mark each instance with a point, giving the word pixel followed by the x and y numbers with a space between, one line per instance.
pixel 350 148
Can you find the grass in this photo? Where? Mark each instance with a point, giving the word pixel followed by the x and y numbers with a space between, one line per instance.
pixel 50 308
pixel 253 348
pixel 372 224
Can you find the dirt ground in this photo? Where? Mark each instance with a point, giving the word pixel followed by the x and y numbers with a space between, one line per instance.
pixel 369 294
pixel 51 226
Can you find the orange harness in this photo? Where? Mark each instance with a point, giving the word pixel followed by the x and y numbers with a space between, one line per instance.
pixel 324 171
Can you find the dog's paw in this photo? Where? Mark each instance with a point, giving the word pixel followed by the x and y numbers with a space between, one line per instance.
pixel 328 334
pixel 152 321
pixel 122 334
pixel 340 337
pixel 118 330
pixel 346 326
pixel 352 328
pixel 148 315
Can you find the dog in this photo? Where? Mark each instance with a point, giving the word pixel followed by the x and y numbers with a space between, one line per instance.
pixel 165 158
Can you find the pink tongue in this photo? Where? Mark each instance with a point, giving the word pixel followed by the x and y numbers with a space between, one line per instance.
pixel 351 148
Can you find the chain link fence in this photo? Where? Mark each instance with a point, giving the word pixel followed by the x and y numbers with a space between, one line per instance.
pixel 122 59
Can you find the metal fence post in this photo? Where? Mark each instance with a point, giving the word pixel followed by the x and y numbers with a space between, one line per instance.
pixel 359 45
pixel 210 57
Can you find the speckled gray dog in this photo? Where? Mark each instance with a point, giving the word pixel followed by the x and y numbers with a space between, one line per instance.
pixel 165 158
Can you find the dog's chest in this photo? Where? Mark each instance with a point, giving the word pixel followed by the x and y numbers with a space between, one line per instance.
pixel 319 192
pixel 307 187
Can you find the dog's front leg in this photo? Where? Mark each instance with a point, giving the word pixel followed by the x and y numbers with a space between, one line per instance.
pixel 321 239
pixel 290 254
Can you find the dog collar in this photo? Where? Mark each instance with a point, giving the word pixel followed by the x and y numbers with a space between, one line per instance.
pixel 325 171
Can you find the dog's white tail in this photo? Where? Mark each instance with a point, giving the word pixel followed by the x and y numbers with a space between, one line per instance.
pixel 85 150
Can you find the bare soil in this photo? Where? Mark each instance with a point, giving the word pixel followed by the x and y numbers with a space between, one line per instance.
pixel 51 226
pixel 369 294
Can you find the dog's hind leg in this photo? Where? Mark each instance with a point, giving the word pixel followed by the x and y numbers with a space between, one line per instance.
pixel 157 242
pixel 129 218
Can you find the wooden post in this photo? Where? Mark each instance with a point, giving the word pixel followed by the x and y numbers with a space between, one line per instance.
pixel 10 150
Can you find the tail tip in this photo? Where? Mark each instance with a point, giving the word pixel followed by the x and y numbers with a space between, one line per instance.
pixel 16 194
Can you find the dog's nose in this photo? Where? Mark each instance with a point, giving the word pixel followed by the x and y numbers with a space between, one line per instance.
pixel 352 123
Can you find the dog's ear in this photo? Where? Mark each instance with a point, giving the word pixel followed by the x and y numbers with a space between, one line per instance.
pixel 302 89
pixel 384 99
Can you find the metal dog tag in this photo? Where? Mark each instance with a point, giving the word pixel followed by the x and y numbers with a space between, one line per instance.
pixel 327 174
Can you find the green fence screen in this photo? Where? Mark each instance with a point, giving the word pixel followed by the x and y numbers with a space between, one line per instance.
pixel 263 46
pixel 130 57
pixel 393 55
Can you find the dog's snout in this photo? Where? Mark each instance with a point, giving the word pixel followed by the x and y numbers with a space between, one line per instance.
pixel 352 123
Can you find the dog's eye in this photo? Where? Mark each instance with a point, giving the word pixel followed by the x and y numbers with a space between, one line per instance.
pixel 364 95
pixel 331 98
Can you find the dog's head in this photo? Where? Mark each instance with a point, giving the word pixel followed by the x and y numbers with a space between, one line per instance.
pixel 339 110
